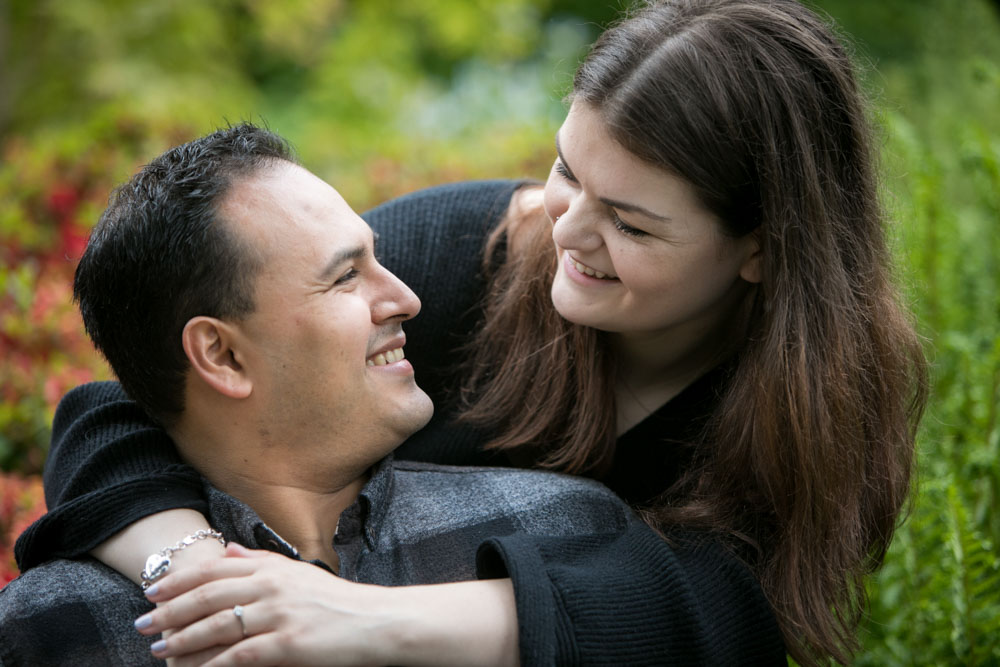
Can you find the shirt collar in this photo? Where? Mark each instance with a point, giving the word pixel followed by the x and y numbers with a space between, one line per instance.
pixel 238 522
pixel 374 499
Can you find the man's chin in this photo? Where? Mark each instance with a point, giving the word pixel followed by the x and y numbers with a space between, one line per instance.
pixel 423 412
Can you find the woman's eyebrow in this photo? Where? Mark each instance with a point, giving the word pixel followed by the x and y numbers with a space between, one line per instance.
pixel 632 208
pixel 614 203
pixel 563 159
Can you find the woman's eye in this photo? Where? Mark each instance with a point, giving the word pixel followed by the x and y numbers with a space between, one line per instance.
pixel 563 171
pixel 347 277
pixel 626 228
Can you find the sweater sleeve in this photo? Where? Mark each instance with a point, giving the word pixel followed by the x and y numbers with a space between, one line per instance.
pixel 633 599
pixel 109 465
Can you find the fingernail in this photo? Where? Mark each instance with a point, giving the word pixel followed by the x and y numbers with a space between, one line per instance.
pixel 143 621
pixel 152 590
pixel 158 646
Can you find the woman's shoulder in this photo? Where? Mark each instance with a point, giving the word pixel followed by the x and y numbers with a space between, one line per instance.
pixel 452 202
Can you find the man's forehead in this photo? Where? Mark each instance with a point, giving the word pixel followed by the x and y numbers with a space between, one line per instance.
pixel 282 196
pixel 288 214
pixel 272 184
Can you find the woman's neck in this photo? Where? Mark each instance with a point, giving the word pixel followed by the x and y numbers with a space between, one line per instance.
pixel 656 366
pixel 652 372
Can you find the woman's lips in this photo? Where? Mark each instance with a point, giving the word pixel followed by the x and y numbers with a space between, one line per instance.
pixel 583 274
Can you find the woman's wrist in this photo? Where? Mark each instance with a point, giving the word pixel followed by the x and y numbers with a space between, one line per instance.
pixel 463 623
pixel 128 550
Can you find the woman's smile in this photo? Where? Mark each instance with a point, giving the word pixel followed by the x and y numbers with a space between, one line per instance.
pixel 581 272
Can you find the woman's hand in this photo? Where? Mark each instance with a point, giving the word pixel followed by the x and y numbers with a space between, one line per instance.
pixel 293 613
pixel 296 613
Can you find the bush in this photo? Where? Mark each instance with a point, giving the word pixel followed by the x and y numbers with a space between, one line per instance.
pixel 21 502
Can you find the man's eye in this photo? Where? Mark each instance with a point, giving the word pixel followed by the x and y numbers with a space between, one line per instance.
pixel 347 277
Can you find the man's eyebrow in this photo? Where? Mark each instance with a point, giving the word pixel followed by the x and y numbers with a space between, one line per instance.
pixel 344 255
pixel 614 203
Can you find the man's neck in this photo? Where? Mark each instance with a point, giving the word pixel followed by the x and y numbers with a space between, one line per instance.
pixel 300 498
pixel 305 517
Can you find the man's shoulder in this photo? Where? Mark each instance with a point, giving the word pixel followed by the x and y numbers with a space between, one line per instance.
pixel 542 502
pixel 72 612
pixel 59 582
pixel 504 476
pixel 435 517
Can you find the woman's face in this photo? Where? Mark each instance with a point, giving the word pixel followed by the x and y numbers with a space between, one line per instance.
pixel 638 253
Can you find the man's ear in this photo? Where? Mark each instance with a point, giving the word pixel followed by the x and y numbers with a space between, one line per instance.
pixel 751 270
pixel 209 346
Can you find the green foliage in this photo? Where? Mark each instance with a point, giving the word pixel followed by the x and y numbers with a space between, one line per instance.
pixel 936 597
pixel 935 601
pixel 381 97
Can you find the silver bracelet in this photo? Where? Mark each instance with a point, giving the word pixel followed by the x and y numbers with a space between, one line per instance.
pixel 158 564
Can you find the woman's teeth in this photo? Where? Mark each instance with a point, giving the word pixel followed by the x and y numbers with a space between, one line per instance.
pixel 383 358
pixel 589 271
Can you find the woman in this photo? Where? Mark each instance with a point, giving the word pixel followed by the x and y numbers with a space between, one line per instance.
pixel 725 351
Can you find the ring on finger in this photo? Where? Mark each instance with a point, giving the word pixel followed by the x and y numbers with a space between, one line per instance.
pixel 238 613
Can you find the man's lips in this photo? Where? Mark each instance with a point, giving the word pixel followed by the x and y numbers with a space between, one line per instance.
pixel 388 353
pixel 387 357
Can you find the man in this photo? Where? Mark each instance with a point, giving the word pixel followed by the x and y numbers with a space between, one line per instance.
pixel 238 299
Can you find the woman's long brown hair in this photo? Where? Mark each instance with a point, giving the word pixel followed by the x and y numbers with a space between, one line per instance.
pixel 808 456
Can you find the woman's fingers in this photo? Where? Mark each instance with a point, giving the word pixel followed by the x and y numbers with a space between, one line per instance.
pixel 239 551
pixel 180 582
pixel 292 646
pixel 202 602
pixel 259 650
pixel 195 659
pixel 287 609
pixel 222 628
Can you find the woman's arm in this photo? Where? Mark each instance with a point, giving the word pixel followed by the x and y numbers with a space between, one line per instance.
pixel 297 613
pixel 633 598
pixel 628 598
pixel 109 465
pixel 127 550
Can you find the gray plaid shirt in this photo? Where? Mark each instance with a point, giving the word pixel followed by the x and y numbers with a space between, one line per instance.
pixel 413 523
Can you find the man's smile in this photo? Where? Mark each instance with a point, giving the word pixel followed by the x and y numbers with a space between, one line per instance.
pixel 387 357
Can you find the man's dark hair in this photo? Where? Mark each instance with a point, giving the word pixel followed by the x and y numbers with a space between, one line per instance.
pixel 160 255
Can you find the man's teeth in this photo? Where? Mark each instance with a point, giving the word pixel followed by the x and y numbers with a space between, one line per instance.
pixel 383 358
pixel 589 271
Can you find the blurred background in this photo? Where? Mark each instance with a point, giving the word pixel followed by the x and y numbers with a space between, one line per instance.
pixel 381 97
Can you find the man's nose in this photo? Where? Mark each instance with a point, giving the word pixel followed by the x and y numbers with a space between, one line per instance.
pixel 395 300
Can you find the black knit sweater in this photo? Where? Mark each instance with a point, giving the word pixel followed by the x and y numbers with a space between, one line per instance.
pixel 626 599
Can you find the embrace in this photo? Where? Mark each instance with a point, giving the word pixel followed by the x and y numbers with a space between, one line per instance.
pixel 674 392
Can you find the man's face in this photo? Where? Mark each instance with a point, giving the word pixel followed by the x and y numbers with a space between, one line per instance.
pixel 323 346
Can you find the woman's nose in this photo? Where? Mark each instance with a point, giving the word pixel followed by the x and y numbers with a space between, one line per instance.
pixel 576 230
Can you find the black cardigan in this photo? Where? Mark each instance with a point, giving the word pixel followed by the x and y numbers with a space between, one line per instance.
pixel 627 599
